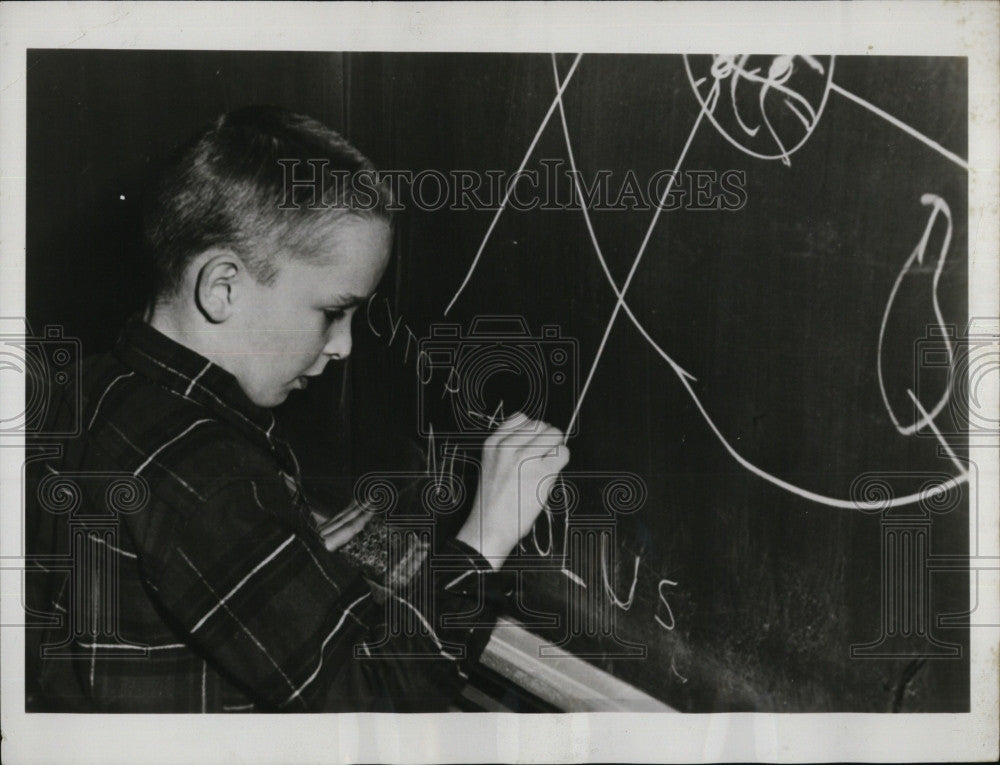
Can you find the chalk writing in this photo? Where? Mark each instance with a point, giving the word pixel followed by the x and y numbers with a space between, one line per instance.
pixel 547 513
pixel 626 604
pixel 929 421
pixel 663 600
pixel 391 328
pixel 673 668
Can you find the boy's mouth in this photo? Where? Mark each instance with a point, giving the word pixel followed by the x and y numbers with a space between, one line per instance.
pixel 301 382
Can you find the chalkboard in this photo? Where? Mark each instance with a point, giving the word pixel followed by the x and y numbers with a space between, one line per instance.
pixel 749 406
pixel 736 425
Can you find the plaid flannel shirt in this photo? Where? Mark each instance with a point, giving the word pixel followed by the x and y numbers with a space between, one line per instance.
pixel 203 584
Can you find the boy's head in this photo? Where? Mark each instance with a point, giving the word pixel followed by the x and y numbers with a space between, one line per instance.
pixel 265 232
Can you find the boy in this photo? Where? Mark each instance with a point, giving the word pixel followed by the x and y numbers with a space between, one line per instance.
pixel 225 593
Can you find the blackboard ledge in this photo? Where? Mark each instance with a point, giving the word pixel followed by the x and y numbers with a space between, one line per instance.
pixel 560 678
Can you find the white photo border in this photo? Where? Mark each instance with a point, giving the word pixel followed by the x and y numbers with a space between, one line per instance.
pixel 968 28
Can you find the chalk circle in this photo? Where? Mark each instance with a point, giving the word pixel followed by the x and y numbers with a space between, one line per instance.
pixel 477 365
pixel 710 71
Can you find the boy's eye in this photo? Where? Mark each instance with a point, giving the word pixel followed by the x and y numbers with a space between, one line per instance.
pixel 334 314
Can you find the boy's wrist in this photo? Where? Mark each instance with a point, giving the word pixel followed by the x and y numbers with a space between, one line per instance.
pixel 492 550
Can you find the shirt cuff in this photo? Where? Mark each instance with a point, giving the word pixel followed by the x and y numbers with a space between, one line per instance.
pixel 498 584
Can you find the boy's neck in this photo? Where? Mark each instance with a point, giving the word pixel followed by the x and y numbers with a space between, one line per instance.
pixel 166 319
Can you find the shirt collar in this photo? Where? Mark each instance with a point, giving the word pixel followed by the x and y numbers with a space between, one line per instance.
pixel 192 376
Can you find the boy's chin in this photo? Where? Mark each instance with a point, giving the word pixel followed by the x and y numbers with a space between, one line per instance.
pixel 268 399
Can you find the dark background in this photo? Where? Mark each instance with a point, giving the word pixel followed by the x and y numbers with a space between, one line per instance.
pixel 774 308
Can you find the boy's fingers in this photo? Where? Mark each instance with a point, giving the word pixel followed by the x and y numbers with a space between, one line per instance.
pixel 347 522
pixel 515 421
pixel 549 435
pixel 540 435
pixel 340 536
pixel 350 513
pixel 524 427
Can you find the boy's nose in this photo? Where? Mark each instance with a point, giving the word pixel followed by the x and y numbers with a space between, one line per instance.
pixel 338 344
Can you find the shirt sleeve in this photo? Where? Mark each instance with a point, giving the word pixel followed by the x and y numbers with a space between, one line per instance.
pixel 297 626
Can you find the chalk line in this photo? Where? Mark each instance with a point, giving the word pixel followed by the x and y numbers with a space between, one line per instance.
pixel 917 255
pixel 902 126
pixel 907 499
pixel 933 427
pixel 635 264
pixel 517 175
pixel 597 247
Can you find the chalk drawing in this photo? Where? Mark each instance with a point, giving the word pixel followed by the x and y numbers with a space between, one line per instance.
pixel 686 378
pixel 774 86
pixel 938 205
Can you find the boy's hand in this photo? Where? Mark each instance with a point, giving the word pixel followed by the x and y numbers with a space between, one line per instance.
pixel 520 462
pixel 344 526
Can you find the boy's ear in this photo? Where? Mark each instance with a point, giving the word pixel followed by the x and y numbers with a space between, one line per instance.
pixel 216 284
